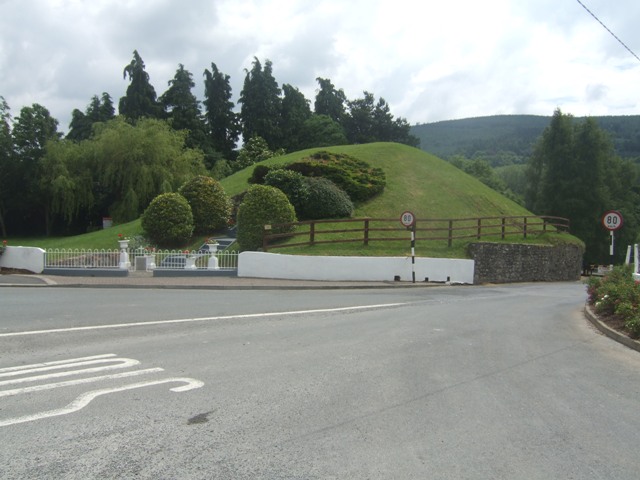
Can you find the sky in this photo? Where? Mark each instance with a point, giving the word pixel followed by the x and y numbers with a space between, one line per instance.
pixel 430 60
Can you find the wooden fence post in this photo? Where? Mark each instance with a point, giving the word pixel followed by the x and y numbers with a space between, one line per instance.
pixel 312 233
pixel 366 231
pixel 503 227
pixel 265 240
pixel 450 242
pixel 525 227
pixel 479 229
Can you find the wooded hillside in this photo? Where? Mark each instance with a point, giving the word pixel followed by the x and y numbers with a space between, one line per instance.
pixel 506 139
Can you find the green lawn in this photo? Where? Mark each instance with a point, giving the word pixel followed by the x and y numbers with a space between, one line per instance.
pixel 417 181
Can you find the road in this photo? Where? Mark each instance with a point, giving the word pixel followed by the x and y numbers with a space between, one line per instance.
pixel 486 382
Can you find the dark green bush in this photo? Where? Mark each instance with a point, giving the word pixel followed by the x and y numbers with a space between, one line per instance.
pixel 258 174
pixel 357 178
pixel 210 205
pixel 168 221
pixel 292 184
pixel 262 205
pixel 325 200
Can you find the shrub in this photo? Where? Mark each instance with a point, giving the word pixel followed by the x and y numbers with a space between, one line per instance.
pixel 254 150
pixel 168 221
pixel 325 200
pixel 617 294
pixel 262 205
pixel 357 178
pixel 258 174
pixel 210 205
pixel 292 184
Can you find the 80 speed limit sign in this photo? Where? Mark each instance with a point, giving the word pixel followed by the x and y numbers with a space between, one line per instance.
pixel 407 219
pixel 612 220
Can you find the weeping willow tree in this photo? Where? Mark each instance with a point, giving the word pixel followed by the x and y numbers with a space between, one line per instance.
pixel 134 163
pixel 115 173
pixel 65 180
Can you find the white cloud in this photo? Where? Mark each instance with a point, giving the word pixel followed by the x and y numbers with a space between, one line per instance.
pixel 430 60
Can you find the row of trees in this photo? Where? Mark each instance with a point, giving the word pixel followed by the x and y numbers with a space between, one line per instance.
pixel 574 173
pixel 112 164
pixel 281 116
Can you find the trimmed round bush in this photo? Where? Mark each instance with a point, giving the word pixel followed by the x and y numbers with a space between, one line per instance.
pixel 291 183
pixel 262 205
pixel 325 200
pixel 210 205
pixel 168 221
pixel 258 174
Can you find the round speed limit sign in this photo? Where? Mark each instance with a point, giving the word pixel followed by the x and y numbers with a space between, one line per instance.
pixel 407 219
pixel 612 220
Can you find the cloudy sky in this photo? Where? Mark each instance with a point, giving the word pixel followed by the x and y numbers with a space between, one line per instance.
pixel 431 60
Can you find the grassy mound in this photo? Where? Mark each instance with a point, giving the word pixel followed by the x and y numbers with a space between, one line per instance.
pixel 415 180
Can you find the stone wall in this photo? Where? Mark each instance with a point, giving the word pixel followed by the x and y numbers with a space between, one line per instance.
pixel 504 263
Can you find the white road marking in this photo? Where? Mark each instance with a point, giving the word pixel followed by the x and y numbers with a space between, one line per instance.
pixel 79 366
pixel 121 363
pixel 84 399
pixel 203 319
pixel 69 383
pixel 57 362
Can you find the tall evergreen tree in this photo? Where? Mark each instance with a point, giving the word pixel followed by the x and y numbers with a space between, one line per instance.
pixel 98 110
pixel 183 109
pixel 106 110
pixel 295 111
pixel 567 178
pixel 261 105
pixel 140 99
pixel 359 122
pixel 221 121
pixel 553 153
pixel 329 101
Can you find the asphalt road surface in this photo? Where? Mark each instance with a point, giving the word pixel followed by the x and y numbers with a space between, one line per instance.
pixel 494 382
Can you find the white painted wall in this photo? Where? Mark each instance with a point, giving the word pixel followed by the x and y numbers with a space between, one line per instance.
pixel 297 267
pixel 24 258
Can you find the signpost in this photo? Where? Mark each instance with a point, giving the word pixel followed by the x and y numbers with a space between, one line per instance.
pixel 612 221
pixel 408 219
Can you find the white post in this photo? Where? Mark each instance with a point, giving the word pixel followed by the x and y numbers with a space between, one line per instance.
pixel 635 258
pixel 611 248
pixel 212 264
pixel 190 262
pixel 125 264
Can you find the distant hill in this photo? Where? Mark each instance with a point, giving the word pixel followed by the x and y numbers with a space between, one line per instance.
pixel 504 139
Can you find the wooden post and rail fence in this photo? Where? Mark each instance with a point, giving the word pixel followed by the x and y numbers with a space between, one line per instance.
pixel 366 230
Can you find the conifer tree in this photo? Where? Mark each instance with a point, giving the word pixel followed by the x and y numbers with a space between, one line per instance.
pixel 140 99
pixel 329 101
pixel 222 123
pixel 295 112
pixel 261 105
pixel 183 109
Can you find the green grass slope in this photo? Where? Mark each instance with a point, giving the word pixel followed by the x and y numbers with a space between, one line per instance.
pixel 418 181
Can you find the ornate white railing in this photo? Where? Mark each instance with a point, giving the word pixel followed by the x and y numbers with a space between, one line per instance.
pixel 81 258
pixel 141 259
